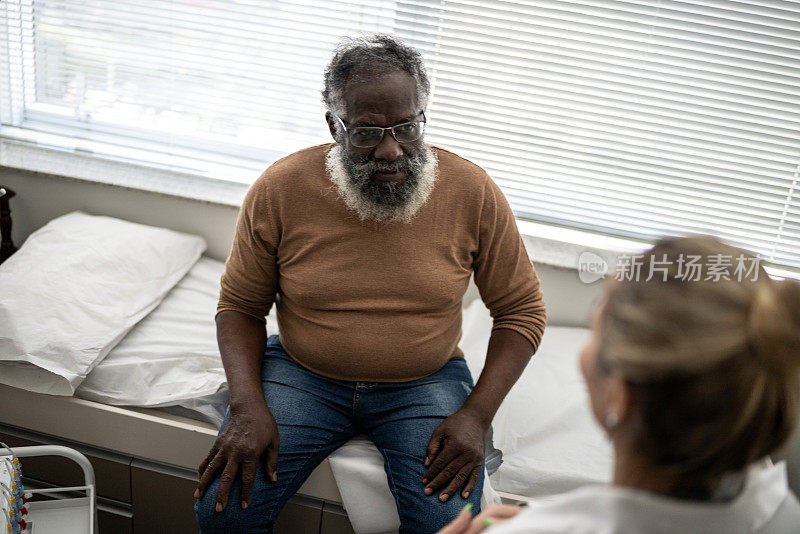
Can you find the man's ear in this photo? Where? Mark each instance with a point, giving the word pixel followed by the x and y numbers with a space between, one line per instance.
pixel 332 126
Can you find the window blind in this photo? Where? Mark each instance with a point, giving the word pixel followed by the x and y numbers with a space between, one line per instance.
pixel 632 118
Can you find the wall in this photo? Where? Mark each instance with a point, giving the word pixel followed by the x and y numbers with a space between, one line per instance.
pixel 41 197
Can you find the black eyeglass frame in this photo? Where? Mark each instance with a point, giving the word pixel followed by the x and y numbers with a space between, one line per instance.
pixel 349 133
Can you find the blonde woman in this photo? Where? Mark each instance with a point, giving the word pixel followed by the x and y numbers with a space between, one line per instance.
pixel 696 380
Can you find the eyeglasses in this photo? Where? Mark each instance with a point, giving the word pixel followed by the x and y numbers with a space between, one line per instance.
pixel 371 136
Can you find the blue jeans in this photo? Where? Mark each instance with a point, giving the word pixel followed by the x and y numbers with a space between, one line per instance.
pixel 316 415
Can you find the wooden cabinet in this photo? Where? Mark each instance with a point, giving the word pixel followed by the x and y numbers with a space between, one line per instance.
pixel 301 515
pixel 334 520
pixel 162 498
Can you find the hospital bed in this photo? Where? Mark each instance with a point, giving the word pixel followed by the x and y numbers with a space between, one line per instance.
pixel 145 456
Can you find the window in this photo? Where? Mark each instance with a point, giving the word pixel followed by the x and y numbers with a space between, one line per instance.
pixel 632 118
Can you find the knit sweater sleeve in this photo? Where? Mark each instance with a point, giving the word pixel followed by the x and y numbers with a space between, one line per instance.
pixel 504 274
pixel 250 280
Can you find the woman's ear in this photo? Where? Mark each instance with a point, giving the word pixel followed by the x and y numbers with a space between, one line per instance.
pixel 618 402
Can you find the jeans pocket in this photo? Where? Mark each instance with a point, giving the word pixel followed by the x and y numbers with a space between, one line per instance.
pixel 457 369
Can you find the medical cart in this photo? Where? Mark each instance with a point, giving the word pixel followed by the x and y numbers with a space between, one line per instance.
pixel 63 515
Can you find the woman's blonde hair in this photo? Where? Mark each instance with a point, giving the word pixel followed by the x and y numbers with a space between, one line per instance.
pixel 713 358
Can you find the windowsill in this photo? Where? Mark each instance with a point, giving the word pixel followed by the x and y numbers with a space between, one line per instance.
pixel 547 244
pixel 90 167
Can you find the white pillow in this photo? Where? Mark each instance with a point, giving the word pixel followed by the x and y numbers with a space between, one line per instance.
pixel 75 288
pixel 172 354
pixel 545 428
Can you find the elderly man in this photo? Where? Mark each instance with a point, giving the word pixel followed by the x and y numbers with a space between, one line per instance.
pixel 366 247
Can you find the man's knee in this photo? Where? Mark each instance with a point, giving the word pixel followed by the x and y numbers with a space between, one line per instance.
pixel 422 513
pixel 431 515
pixel 233 519
pixel 445 512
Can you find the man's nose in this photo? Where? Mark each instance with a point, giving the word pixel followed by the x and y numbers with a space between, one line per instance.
pixel 388 149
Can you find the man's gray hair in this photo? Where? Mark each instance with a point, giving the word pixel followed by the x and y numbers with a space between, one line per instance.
pixel 362 58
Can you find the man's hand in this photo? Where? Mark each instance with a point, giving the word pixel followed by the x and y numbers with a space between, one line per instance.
pixel 250 436
pixel 455 455
pixel 466 524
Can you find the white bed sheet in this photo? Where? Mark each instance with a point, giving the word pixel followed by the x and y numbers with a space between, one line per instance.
pixel 170 357
pixel 550 441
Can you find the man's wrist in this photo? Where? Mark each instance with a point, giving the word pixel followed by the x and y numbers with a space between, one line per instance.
pixel 481 414
pixel 246 400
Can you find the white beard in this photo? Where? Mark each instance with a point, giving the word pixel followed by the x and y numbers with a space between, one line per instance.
pixel 397 202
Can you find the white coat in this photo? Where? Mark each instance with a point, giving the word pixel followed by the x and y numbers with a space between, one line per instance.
pixel 764 506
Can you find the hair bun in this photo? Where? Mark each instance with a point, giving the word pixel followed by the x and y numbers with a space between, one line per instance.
pixel 774 325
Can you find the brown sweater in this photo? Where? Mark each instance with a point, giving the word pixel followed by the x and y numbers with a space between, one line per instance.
pixel 371 301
